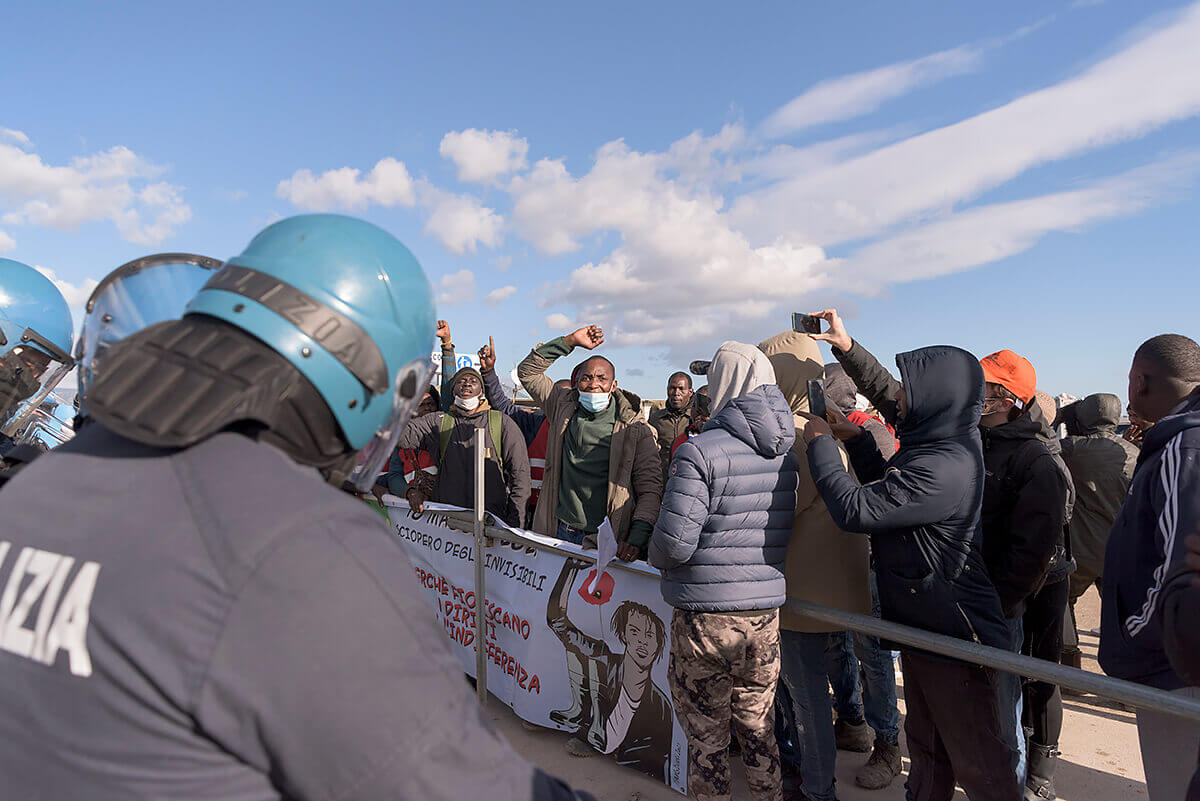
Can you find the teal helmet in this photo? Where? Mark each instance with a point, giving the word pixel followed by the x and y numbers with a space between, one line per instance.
pixel 349 307
pixel 135 295
pixel 35 341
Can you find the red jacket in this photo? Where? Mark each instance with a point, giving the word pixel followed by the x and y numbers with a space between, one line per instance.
pixel 682 438
pixel 860 418
pixel 537 461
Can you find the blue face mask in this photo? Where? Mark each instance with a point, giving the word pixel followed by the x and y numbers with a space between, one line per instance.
pixel 594 401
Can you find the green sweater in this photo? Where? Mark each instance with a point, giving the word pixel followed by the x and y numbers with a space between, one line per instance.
pixel 583 484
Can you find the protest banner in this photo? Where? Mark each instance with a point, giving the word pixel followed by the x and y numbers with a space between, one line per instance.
pixel 566 648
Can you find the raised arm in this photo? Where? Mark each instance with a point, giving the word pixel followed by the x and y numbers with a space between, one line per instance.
pixel 528 421
pixel 532 370
pixel 449 364
pixel 868 375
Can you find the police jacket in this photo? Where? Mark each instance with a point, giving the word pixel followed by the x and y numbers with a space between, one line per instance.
pixel 921 507
pixel 1144 559
pixel 219 623
pixel 1027 496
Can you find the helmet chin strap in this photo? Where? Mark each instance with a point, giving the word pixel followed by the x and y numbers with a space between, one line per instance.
pixel 176 383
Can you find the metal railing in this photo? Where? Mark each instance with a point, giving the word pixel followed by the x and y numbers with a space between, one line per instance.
pixel 1136 695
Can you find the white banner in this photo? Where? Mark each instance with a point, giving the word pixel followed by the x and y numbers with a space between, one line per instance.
pixel 565 649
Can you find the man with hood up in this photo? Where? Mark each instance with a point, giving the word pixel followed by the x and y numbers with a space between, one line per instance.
pixel 449 437
pixel 720 543
pixel 1101 462
pixel 1145 570
pixel 825 566
pixel 921 510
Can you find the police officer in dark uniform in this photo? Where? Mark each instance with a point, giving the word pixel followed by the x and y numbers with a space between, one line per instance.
pixel 35 345
pixel 205 614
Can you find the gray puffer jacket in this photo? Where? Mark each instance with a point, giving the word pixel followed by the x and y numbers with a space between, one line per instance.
pixel 727 512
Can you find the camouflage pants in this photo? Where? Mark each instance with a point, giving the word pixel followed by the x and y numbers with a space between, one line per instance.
pixel 724 667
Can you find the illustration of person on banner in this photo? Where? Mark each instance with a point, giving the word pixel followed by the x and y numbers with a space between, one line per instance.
pixel 616 707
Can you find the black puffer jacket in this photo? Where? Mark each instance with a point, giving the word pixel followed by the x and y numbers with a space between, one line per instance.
pixel 1101 462
pixel 1027 498
pixel 921 508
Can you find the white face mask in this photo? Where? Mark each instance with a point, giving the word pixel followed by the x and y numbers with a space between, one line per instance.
pixel 467 404
pixel 594 401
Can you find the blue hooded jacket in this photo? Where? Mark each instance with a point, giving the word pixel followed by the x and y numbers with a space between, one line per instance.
pixel 727 512
pixel 1143 561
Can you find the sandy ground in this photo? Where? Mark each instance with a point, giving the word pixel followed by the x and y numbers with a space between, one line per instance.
pixel 1100 760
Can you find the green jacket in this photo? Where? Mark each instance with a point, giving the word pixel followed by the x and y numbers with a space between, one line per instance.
pixel 668 424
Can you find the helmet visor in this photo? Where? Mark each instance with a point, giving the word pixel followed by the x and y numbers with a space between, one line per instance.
pixel 139 294
pixel 410 387
pixel 27 375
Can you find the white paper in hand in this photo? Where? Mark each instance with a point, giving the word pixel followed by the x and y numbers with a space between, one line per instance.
pixel 606 551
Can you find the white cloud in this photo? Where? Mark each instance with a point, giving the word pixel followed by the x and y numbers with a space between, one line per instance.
pixel 502 263
pixel 849 96
pixel 989 233
pixel 20 137
pixel 1148 84
pixel 484 156
pixel 498 296
pixel 115 185
pixel 7 243
pixel 461 222
pixel 387 184
pixel 76 295
pixel 682 271
pixel 558 322
pixel 456 288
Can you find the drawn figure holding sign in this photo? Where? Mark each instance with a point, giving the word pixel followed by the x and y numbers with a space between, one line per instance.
pixel 616 706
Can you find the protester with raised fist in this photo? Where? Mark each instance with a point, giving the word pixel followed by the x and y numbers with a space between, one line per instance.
pixel 601 458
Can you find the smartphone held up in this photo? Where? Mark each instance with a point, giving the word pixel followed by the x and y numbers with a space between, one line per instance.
pixel 816 399
pixel 806 323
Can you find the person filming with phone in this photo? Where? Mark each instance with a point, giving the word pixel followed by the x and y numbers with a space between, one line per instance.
pixel 921 509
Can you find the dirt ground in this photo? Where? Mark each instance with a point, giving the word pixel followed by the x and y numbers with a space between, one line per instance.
pixel 1100 759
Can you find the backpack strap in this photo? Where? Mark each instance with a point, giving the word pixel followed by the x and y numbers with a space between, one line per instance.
pixel 495 422
pixel 494 426
pixel 447 428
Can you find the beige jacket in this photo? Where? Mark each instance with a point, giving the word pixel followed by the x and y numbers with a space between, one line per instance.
pixel 635 478
pixel 825 565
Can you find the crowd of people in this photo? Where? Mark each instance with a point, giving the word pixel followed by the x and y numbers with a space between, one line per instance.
pixel 208 614
pixel 947 501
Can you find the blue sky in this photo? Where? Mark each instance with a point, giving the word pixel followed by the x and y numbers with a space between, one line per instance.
pixel 1017 175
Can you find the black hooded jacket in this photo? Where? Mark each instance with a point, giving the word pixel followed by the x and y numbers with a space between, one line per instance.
pixel 921 507
pixel 1027 497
